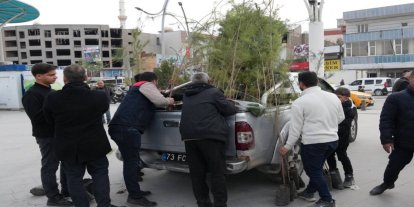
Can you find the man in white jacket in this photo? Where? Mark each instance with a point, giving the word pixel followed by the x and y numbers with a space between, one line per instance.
pixel 315 118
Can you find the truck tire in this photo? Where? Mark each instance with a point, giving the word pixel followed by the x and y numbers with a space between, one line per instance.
pixel 378 92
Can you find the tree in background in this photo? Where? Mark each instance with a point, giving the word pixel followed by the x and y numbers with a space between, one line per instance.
pixel 245 52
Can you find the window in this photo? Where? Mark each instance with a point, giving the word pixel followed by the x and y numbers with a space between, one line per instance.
pixel 398 47
pixel 24 55
pixel 360 49
pixel 48 33
pixel 64 62
pixel 77 43
pixel 76 33
pixel 62 42
pixel 404 24
pixel 378 82
pixel 91 31
pixel 21 34
pixel 22 45
pixel 62 52
pixel 371 75
pixel 348 49
pixel 48 44
pixel 388 48
pixel 405 46
pixel 105 44
pixel 49 54
pixel 33 32
pixel 61 31
pixel 372 48
pixel 10 33
pixel 356 83
pixel 362 28
pixel 104 33
pixel 369 82
pixel 35 53
pixel 105 53
pixel 11 43
pixel 91 42
pixel 34 42
pixel 78 54
pixel 11 54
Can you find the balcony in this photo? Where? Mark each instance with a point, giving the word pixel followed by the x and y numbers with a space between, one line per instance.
pixel 379 59
pixel 380 35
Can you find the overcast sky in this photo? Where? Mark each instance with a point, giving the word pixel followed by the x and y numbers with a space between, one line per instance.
pixel 107 11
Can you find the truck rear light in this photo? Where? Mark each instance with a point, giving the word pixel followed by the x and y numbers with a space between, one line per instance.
pixel 244 136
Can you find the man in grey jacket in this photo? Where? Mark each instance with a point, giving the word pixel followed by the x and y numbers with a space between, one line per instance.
pixel 204 130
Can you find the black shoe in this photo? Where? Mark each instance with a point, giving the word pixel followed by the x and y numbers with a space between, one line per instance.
pixel 349 181
pixel 38 191
pixel 141 201
pixel 59 200
pixel 145 193
pixel 336 180
pixel 322 203
pixel 381 188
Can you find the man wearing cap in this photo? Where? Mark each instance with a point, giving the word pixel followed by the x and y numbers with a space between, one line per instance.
pixel 32 100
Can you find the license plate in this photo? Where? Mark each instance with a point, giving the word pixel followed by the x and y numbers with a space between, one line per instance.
pixel 176 157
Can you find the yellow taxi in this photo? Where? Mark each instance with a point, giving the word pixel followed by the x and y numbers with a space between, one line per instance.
pixel 357 98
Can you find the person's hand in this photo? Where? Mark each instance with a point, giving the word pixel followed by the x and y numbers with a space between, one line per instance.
pixel 388 147
pixel 170 101
pixel 283 151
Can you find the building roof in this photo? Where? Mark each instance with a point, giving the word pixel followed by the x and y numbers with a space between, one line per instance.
pixel 13 11
pixel 380 12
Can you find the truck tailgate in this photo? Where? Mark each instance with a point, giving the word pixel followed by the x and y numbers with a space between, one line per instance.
pixel 163 134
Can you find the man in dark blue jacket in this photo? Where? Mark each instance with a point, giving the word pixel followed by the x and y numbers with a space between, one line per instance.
pixel 397 134
pixel 204 130
pixel 131 119
pixel 32 100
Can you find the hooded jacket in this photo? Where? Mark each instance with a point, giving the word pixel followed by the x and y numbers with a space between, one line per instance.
pixel 203 113
pixel 344 128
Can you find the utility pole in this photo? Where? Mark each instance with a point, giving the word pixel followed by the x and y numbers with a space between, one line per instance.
pixel 163 10
pixel 316 37
pixel 188 46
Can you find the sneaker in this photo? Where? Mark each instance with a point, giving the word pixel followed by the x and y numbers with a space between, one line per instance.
pixel 381 188
pixel 322 203
pixel 59 200
pixel 307 196
pixel 141 201
pixel 349 181
pixel 38 191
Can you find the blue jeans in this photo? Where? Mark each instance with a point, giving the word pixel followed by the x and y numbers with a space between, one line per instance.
pixel 98 169
pixel 50 165
pixel 128 140
pixel 313 157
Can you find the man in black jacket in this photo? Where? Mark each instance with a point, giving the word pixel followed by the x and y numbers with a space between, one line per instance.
pixel 344 131
pixel 32 100
pixel 100 86
pixel 204 130
pixel 80 138
pixel 402 82
pixel 396 133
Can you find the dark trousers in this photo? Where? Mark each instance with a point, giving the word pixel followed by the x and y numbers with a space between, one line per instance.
pixel 98 169
pixel 207 156
pixel 313 157
pixel 398 159
pixel 128 140
pixel 342 156
pixel 50 165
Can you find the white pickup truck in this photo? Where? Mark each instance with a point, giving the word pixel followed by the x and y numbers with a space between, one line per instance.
pixel 254 137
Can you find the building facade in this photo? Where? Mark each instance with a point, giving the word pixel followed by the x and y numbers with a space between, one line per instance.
pixel 380 41
pixel 64 45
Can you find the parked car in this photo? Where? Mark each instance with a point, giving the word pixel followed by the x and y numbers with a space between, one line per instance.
pixel 357 98
pixel 377 86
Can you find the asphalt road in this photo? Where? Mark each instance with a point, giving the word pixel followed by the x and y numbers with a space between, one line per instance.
pixel 20 171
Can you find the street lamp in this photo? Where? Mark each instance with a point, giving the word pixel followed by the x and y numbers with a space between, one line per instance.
pixel 164 8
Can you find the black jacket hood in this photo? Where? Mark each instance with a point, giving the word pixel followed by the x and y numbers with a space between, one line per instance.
pixel 196 88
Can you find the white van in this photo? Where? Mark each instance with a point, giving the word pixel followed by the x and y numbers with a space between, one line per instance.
pixel 377 86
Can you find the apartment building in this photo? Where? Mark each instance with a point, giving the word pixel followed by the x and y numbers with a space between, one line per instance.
pixel 380 41
pixel 63 45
